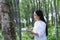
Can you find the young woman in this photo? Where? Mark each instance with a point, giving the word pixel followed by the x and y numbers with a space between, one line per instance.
pixel 39 30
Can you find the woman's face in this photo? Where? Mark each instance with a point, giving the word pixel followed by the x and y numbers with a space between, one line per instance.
pixel 36 17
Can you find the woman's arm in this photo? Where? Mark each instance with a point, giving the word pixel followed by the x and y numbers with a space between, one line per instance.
pixel 32 32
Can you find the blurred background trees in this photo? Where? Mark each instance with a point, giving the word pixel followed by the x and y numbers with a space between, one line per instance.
pixel 51 12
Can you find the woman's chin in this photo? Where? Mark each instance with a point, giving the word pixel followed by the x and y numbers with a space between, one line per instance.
pixel 35 20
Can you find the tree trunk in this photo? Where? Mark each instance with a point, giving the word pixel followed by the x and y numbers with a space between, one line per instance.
pixel 52 14
pixel 0 21
pixel 47 11
pixel 16 5
pixel 56 22
pixel 7 20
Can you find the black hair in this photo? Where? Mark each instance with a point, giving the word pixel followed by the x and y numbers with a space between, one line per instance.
pixel 40 14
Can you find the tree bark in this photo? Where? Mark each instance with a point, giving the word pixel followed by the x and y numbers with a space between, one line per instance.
pixel 7 20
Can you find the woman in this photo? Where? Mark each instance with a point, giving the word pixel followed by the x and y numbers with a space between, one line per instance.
pixel 39 30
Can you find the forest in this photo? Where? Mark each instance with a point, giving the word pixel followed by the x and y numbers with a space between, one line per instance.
pixel 18 14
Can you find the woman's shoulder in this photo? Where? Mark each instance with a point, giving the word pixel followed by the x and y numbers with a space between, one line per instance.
pixel 40 22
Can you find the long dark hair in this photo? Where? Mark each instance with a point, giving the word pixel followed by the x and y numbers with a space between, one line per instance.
pixel 40 14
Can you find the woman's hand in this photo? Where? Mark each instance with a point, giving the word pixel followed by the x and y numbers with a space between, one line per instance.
pixel 29 31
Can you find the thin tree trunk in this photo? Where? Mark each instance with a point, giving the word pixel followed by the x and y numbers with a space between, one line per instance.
pixel 16 5
pixel 33 8
pixel 52 14
pixel 56 22
pixel 47 11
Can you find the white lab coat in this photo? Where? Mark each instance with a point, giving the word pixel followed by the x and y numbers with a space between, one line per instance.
pixel 40 28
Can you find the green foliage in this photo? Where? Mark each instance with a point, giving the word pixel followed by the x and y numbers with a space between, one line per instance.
pixel 51 34
pixel 27 36
pixel 0 35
